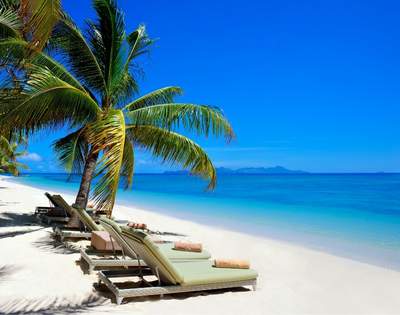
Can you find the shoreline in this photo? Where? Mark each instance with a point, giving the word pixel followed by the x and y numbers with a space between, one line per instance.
pixel 162 203
pixel 293 279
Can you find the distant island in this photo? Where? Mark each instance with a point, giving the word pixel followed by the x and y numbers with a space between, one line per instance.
pixel 247 170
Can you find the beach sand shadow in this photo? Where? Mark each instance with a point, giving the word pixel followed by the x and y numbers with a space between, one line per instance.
pixel 50 244
pixel 17 219
pixel 6 271
pixel 52 305
pixel 20 232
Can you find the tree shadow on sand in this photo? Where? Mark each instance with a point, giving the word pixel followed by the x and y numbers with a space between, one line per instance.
pixel 6 271
pixel 52 305
pixel 23 220
pixel 50 244
pixel 17 219
pixel 16 233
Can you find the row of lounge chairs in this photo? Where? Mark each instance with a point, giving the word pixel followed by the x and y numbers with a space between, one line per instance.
pixel 149 267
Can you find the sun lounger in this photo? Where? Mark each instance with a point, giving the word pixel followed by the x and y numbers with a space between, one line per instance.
pixel 173 277
pixel 127 256
pixel 84 231
pixel 56 213
pixel 59 212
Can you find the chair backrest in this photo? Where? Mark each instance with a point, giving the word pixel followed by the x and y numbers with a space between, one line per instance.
pixel 151 254
pixel 115 232
pixel 86 219
pixel 59 201
pixel 50 197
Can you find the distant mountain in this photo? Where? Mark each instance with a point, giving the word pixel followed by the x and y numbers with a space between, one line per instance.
pixel 268 170
pixel 247 170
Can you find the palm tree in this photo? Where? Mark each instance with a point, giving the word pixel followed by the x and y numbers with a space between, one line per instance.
pixel 8 157
pixel 93 90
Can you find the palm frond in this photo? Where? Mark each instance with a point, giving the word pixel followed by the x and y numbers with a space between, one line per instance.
pixel 13 52
pixel 71 151
pixel 47 101
pixel 139 43
pixel 108 135
pixel 10 23
pixel 8 157
pixel 68 42
pixel 124 89
pixel 124 84
pixel 107 36
pixel 174 148
pixel 10 4
pixel 40 16
pixel 203 120
pixel 164 95
pixel 5 147
pixel 128 163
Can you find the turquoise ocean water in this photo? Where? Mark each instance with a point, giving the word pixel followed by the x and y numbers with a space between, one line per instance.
pixel 351 215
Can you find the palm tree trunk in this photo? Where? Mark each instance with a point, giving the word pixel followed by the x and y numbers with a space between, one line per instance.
pixel 87 176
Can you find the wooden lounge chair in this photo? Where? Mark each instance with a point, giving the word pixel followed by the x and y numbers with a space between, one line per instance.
pixel 172 277
pixel 60 211
pixel 83 231
pixel 127 257
pixel 56 213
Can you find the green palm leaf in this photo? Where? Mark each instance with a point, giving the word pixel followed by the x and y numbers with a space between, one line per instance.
pixel 40 16
pixel 106 37
pixel 202 119
pixel 10 23
pixel 8 157
pixel 160 96
pixel 71 151
pixel 139 43
pixel 174 148
pixel 124 89
pixel 5 147
pixel 68 41
pixel 128 162
pixel 48 101
pixel 14 52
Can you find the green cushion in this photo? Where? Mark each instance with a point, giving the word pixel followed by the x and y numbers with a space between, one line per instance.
pixel 202 272
pixel 115 231
pixel 153 256
pixel 166 248
pixel 185 273
pixel 110 222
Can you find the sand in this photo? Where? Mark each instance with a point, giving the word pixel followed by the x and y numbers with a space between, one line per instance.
pixel 41 277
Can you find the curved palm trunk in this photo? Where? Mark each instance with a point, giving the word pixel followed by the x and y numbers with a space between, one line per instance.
pixel 84 189
pixel 87 176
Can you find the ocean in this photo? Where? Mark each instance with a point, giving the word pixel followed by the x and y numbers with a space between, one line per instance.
pixel 351 215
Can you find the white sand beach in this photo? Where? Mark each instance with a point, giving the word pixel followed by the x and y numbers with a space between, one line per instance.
pixel 40 277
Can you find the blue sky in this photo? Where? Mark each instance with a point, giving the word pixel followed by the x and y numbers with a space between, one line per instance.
pixel 310 85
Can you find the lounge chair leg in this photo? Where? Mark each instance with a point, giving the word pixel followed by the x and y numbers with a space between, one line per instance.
pixel 90 269
pixel 161 296
pixel 118 299
pixel 254 287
